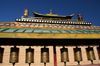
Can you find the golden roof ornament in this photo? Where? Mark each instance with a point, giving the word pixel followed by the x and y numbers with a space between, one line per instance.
pixel 50 11
pixel 50 14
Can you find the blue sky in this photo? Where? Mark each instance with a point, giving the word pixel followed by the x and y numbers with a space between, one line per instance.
pixel 90 9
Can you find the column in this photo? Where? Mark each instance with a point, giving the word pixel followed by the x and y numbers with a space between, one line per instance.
pixel 58 55
pixel 97 61
pixel 51 56
pixel 84 56
pixel 37 56
pixel 22 56
pixel 6 56
pixel 71 56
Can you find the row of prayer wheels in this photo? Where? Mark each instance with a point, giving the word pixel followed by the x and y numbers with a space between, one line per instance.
pixel 29 55
pixel 45 54
pixel 77 54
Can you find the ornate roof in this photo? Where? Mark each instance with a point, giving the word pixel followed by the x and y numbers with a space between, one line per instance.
pixel 52 15
pixel 39 28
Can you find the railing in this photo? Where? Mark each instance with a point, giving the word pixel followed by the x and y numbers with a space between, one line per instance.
pixel 52 19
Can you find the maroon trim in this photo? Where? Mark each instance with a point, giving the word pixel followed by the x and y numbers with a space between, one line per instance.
pixel 55 59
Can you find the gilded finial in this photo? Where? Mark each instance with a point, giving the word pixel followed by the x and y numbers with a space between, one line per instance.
pixel 50 11
pixel 51 14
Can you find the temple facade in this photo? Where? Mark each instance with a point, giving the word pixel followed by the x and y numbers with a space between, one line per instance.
pixel 49 40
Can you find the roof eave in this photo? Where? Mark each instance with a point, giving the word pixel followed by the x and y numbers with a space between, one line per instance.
pixel 42 15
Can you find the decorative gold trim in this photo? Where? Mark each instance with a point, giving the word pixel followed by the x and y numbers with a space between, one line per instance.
pixel 50 35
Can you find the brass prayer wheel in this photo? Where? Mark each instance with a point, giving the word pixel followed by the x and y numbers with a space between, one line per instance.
pixel 26 12
pixel 91 55
pixel 29 55
pixel 14 55
pixel 0 57
pixel 98 52
pixel 44 55
pixel 78 56
pixel 64 55
pixel 1 54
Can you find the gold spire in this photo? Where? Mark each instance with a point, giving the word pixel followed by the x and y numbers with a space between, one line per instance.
pixel 50 11
pixel 51 14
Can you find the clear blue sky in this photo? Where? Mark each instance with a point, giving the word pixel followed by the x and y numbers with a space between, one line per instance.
pixel 90 9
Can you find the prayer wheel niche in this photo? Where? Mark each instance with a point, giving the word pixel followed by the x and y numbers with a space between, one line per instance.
pixel 1 54
pixel 90 54
pixel 64 55
pixel 14 55
pixel 29 55
pixel 44 55
pixel 78 56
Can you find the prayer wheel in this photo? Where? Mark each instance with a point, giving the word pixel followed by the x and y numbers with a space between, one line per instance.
pixel 26 12
pixel 90 54
pixel 29 55
pixel 1 54
pixel 14 55
pixel 64 55
pixel 78 56
pixel 44 55
pixel 98 52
